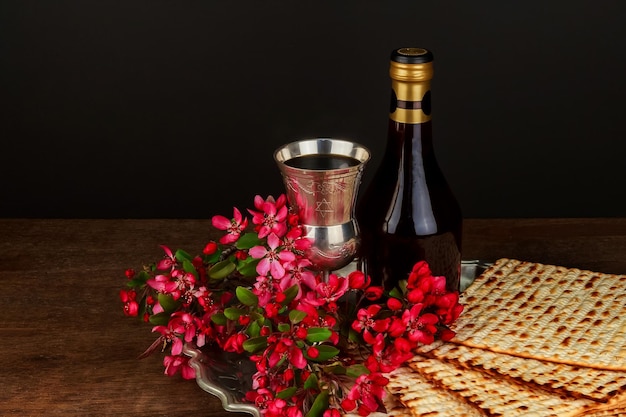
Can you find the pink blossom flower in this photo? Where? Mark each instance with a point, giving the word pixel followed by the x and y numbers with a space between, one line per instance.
pixel 365 320
pixel 234 227
pixel 270 216
pixel 169 335
pixel 297 272
pixel 327 293
pixel 420 328
pixel 205 299
pixel 272 258
pixel 368 391
pixel 204 331
pixel 176 363
pixel 386 358
pixel 184 280
pixel 168 262
pixel 265 401
pixel 184 323
pixel 295 240
pixel 286 349
pixel 264 289
pixel 163 284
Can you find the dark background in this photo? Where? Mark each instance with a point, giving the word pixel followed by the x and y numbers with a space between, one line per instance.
pixel 170 108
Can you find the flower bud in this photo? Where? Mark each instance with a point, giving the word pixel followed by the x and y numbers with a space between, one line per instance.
pixel 394 304
pixel 348 404
pixel 313 352
pixel 358 280
pixel 373 293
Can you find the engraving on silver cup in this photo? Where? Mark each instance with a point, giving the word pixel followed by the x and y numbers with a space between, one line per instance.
pixel 321 178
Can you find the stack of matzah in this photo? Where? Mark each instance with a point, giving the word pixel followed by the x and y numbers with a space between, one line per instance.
pixel 533 340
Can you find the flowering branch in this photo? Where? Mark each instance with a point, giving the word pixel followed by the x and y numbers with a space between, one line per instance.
pixel 321 348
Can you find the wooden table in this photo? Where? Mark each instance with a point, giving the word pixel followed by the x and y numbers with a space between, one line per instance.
pixel 67 349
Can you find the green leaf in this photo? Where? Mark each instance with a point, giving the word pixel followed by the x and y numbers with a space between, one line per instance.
pixel 181 256
pixel 319 405
pixel 212 258
pixel 255 344
pixel 296 316
pixel 222 269
pixel 247 267
pixel 160 319
pixel 335 369
pixel 395 293
pixel 284 327
pixel 357 370
pixel 290 294
pixel 311 382
pixel 139 280
pixel 254 329
pixel 188 267
pixel 286 393
pixel 168 303
pixel 247 241
pixel 233 313
pixel 326 352
pixel 219 319
pixel 318 334
pixel 256 316
pixel 246 296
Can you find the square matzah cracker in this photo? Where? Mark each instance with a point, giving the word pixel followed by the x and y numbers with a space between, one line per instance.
pixel 547 312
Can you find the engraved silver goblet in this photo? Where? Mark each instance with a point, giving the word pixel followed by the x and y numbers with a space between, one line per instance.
pixel 322 177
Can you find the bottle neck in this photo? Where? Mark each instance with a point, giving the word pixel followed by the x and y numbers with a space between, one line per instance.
pixel 410 116
pixel 410 101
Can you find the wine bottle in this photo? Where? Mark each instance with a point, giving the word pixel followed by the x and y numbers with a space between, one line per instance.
pixel 408 212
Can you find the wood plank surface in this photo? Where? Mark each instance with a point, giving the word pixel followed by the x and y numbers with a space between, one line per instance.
pixel 68 350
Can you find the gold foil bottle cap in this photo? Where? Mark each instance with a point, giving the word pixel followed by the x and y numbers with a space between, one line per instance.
pixel 411 64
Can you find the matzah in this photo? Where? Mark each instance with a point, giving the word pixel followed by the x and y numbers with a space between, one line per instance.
pixel 425 399
pixel 497 396
pixel 548 313
pixel 581 382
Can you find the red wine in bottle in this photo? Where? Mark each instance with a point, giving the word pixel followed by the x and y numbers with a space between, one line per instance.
pixel 408 212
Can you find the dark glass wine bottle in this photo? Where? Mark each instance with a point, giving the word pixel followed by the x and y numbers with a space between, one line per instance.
pixel 408 212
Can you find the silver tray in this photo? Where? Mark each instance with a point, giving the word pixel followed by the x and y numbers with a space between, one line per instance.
pixel 228 376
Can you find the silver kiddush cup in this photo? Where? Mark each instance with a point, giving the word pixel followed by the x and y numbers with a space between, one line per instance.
pixel 322 177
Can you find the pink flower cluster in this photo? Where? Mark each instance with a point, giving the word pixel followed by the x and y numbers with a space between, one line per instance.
pixel 254 292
